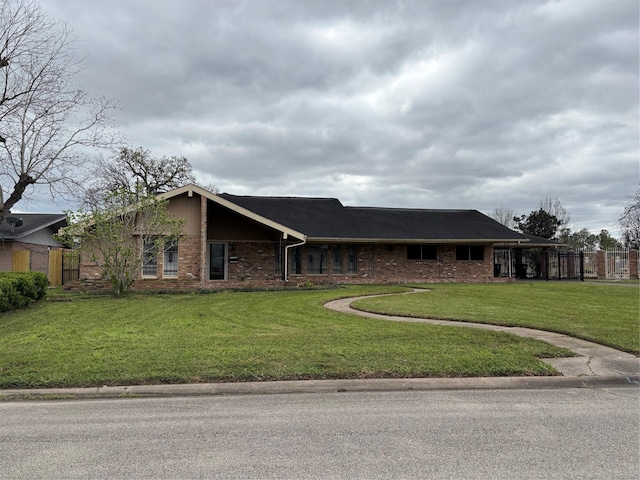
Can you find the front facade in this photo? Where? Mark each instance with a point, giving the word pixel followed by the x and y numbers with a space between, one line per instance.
pixel 260 242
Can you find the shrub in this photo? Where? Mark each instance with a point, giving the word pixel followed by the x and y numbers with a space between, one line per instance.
pixel 17 290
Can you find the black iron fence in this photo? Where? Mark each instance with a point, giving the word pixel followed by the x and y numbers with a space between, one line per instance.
pixel 539 264
pixel 70 266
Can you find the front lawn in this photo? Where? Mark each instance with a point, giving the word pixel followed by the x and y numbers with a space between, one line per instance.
pixel 149 339
pixel 605 314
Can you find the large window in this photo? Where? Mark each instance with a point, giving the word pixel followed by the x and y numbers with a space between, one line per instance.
pixel 316 259
pixel 170 267
pixel 149 257
pixel 470 252
pixel 422 252
pixel 352 259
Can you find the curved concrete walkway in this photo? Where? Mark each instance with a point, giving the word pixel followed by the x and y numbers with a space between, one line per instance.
pixel 593 360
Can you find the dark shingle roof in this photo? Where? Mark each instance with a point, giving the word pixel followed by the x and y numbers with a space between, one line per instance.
pixel 327 218
pixel 31 222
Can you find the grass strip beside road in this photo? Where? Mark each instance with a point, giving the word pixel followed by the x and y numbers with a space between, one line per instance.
pixel 605 314
pixel 241 336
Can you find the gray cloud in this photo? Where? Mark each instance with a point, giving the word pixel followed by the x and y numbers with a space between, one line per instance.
pixel 473 104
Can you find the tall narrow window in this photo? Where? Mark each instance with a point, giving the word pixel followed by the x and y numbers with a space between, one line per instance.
pixel 352 259
pixel 149 257
pixel 337 259
pixel 170 267
pixel 277 266
pixel 217 261
pixel 296 260
pixel 316 259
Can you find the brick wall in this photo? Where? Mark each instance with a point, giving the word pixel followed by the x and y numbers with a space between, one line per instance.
pixel 633 264
pixel 255 262
pixel 389 264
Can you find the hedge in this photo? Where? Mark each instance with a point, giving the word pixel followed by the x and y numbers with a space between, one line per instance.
pixel 17 290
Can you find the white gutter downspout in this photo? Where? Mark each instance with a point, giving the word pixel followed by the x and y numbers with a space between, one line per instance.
pixel 286 262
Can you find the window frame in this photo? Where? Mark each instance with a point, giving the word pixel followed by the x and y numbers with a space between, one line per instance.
pixel 149 257
pixel 469 253
pixel 170 248
pixel 427 252
pixel 313 266
pixel 352 259
pixel 337 265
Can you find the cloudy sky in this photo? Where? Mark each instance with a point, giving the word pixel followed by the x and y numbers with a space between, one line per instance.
pixel 430 104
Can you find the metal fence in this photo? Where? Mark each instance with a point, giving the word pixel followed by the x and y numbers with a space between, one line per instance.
pixel 617 264
pixel 70 266
pixel 590 263
pixel 562 265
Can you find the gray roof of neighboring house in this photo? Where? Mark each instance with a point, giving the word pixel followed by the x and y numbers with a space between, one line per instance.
pixel 327 218
pixel 31 223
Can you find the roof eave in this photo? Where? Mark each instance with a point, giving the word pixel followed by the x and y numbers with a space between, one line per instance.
pixel 439 241
pixel 17 236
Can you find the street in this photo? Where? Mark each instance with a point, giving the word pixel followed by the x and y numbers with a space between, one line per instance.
pixel 555 433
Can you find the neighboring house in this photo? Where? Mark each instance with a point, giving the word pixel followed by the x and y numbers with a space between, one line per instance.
pixel 243 241
pixel 27 244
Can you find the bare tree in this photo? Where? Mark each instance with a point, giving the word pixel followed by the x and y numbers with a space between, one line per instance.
pixel 135 170
pixel 46 120
pixel 505 216
pixel 630 221
pixel 553 207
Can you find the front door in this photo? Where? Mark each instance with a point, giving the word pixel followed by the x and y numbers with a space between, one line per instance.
pixel 217 261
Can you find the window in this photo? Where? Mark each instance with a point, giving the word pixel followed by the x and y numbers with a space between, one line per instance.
pixel 352 259
pixel 422 252
pixel 170 267
pixel 296 260
pixel 337 259
pixel 217 261
pixel 470 252
pixel 277 266
pixel 149 257
pixel 316 259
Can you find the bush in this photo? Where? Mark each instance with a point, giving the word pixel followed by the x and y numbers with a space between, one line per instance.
pixel 17 290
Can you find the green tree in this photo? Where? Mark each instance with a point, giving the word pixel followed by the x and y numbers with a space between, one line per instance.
pixel 121 232
pixel 539 223
pixel 552 206
pixel 607 242
pixel 580 240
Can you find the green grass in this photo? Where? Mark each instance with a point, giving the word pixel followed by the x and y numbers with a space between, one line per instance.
pixel 151 339
pixel 605 314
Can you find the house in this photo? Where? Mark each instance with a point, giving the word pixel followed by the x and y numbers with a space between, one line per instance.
pixel 27 244
pixel 247 241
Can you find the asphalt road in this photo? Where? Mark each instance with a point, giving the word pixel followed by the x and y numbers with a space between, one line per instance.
pixel 558 433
